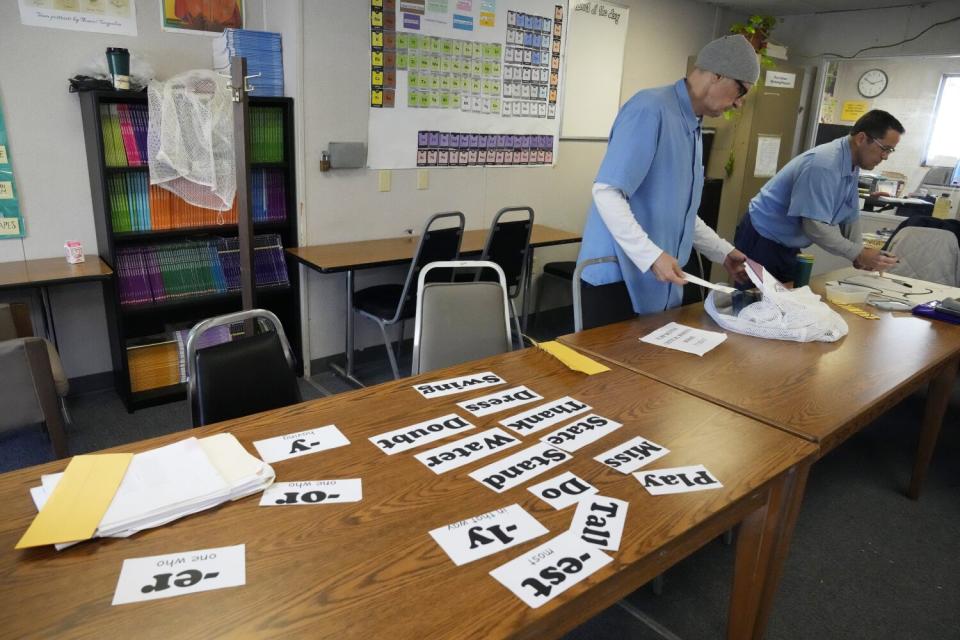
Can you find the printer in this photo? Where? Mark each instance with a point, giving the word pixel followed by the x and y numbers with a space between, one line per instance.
pixel 943 181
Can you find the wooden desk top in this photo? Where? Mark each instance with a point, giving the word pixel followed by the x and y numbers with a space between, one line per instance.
pixel 331 258
pixel 370 569
pixel 820 391
pixel 51 271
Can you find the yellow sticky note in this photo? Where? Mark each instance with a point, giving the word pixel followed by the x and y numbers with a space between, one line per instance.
pixel 573 359
pixel 78 503
pixel 853 109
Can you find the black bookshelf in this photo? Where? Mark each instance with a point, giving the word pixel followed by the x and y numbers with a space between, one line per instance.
pixel 128 323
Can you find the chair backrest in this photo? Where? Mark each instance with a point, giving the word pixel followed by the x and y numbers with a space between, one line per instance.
pixel 244 376
pixel 28 393
pixel 927 254
pixel 435 244
pixel 8 329
pixel 460 321
pixel 508 244
pixel 595 306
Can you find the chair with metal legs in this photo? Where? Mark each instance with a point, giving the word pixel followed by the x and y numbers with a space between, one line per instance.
pixel 508 245
pixel 390 304
pixel 595 306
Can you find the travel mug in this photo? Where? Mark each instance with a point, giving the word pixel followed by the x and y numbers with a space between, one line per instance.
pixel 118 59
pixel 801 277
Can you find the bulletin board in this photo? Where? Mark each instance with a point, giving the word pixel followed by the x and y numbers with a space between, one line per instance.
pixel 465 82
pixel 11 222
pixel 597 34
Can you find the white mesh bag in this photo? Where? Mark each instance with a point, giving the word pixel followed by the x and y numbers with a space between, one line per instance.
pixel 781 314
pixel 190 138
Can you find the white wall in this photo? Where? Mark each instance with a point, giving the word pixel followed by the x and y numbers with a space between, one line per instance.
pixel 326 71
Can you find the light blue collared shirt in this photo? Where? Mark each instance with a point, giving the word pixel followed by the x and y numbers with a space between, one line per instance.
pixel 820 184
pixel 655 157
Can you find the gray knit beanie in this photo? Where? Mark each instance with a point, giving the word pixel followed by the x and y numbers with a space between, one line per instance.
pixel 730 56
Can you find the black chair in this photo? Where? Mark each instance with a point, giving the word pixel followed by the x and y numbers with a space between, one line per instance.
pixel 508 245
pixel 243 376
pixel 599 305
pixel 561 271
pixel 389 304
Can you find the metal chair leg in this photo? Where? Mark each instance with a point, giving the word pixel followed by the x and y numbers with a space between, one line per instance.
pixel 387 345
pixel 516 324
pixel 63 410
pixel 539 300
pixel 403 324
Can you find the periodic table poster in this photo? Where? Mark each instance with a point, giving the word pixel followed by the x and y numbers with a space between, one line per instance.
pixel 459 83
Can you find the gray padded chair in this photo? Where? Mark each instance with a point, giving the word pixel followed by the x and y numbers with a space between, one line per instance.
pixel 28 394
pixel 460 321
pixel 8 331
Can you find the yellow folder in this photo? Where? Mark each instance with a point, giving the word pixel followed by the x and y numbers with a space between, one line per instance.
pixel 79 501
pixel 573 359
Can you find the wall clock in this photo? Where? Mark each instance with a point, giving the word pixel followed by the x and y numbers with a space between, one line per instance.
pixel 872 83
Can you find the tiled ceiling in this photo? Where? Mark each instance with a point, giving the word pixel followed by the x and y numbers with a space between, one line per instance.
pixel 797 7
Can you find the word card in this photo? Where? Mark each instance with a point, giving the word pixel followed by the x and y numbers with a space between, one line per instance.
pixel 632 454
pixel 486 534
pixel 455 454
pixel 540 575
pixel 516 469
pixel 177 574
pixel 546 415
pixel 678 480
pixel 579 434
pixel 562 491
pixel 301 443
pixel 312 492
pixel 599 521
pixel 405 438
pixel 450 386
pixel 499 401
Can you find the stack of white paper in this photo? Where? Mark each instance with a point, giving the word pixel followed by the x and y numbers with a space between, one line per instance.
pixel 167 483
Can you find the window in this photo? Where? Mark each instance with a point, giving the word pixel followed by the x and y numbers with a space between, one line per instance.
pixel 944 138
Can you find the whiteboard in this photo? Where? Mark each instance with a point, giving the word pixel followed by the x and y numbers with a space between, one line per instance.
pixel 596 35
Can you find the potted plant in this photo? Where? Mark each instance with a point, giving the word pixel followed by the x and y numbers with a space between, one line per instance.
pixel 757 31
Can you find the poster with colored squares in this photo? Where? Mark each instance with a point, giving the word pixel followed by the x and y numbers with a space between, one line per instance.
pixel 457 83
pixel 11 222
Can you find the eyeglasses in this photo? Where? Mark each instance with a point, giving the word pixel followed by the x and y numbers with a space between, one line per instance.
pixel 884 148
pixel 742 87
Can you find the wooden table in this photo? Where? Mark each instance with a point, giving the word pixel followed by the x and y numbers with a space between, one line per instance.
pixel 348 257
pixel 824 392
pixel 370 569
pixel 47 272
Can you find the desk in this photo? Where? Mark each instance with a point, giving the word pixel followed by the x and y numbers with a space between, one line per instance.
pixel 824 392
pixel 348 257
pixel 370 569
pixel 47 272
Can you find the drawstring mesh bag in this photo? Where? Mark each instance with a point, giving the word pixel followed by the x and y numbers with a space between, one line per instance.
pixel 781 313
pixel 190 138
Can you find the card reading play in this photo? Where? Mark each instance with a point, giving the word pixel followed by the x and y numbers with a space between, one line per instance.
pixel 301 443
pixel 678 480
pixel 486 534
pixel 178 574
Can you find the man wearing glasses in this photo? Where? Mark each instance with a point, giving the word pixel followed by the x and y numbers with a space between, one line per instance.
pixel 814 200
pixel 647 192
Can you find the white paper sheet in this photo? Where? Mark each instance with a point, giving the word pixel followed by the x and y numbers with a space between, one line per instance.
pixel 599 521
pixel 543 573
pixel 177 574
pixel 450 386
pixel 309 492
pixel 683 338
pixel 514 470
pixel 545 415
pixel 564 490
pixel 421 433
pixel 768 150
pixel 454 455
pixel 301 443
pixel 487 534
pixel 632 454
pixel 692 279
pixel 678 480
pixel 579 434
pixel 499 401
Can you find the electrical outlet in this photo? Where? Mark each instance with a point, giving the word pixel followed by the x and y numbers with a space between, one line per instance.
pixel 423 179
pixel 385 176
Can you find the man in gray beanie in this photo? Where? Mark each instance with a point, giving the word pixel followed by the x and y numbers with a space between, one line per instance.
pixel 647 192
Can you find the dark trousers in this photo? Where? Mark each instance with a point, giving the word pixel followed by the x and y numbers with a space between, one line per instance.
pixel 779 260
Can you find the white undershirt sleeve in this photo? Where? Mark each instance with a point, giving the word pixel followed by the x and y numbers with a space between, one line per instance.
pixel 707 242
pixel 615 212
